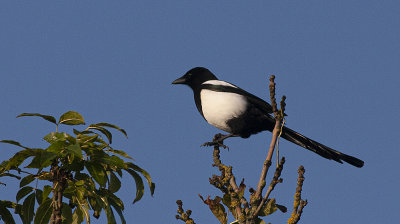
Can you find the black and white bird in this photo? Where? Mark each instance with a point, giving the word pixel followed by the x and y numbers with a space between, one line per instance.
pixel 232 109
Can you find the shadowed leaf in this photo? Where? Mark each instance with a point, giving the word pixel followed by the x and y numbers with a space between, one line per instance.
pixel 27 208
pixel 121 153
pixel 23 192
pixel 112 126
pixel 139 185
pixel 6 215
pixel 281 208
pixel 39 196
pixel 115 183
pixel 10 175
pixel 13 143
pixel 259 221
pixel 20 157
pixel 46 117
pixel 118 209
pixel 66 214
pixel 43 213
pixel 145 174
pixel 77 216
pixel 97 172
pixel 106 132
pixel 110 215
pixel 27 180
pixel 42 159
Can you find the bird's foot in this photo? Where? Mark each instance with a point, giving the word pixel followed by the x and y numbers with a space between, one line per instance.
pixel 218 141
pixel 215 143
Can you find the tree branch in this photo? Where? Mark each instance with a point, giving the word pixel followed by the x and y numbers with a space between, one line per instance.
pixel 275 180
pixel 184 216
pixel 275 133
pixel 298 203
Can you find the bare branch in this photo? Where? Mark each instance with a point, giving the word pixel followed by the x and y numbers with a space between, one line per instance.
pixel 184 216
pixel 275 134
pixel 275 180
pixel 298 203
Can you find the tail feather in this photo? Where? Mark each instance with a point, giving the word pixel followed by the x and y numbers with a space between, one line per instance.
pixel 319 148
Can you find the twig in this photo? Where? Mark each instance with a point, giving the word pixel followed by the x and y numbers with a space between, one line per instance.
pixel 184 216
pixel 226 179
pixel 298 203
pixel 275 134
pixel 275 180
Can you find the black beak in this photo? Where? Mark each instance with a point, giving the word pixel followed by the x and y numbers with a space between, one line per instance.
pixel 181 80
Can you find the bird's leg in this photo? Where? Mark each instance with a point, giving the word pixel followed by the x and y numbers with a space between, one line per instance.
pixel 219 140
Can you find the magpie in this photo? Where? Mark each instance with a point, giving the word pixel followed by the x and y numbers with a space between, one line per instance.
pixel 240 113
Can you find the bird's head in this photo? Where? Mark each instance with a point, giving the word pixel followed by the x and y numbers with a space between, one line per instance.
pixel 195 77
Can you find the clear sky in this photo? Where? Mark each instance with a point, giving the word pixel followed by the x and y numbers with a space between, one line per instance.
pixel 338 63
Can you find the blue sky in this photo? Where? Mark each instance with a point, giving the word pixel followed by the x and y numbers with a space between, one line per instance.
pixel 336 61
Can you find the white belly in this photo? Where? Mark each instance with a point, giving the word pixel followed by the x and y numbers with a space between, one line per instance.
pixel 219 107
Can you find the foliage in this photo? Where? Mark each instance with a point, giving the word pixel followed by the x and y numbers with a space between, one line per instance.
pixel 82 167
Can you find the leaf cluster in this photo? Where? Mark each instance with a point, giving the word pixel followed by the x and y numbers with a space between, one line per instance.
pixel 82 165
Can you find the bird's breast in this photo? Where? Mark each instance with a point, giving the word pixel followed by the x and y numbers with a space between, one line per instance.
pixel 219 107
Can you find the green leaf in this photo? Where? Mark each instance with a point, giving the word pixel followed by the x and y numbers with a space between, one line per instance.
pixel 43 213
pixel 113 161
pixel 20 157
pixel 118 209
pixel 66 214
pixel 80 183
pixel 139 185
pixel 39 196
pixel 77 216
pixel 71 118
pixel 87 138
pixel 42 159
pixel 23 192
pixel 102 130
pixel 56 136
pixel 12 142
pixel 112 198
pixel 145 174
pixel 85 209
pixel 110 215
pixel 121 153
pixel 27 180
pixel 112 126
pixel 10 175
pixel 6 215
pixel 46 117
pixel 27 208
pixel 46 191
pixel 115 183
pixel 97 172
pixel 56 147
pixel 76 150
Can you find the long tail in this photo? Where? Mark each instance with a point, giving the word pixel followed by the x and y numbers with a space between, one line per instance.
pixel 318 148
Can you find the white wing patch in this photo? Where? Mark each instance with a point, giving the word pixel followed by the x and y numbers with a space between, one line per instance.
pixel 219 107
pixel 219 83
